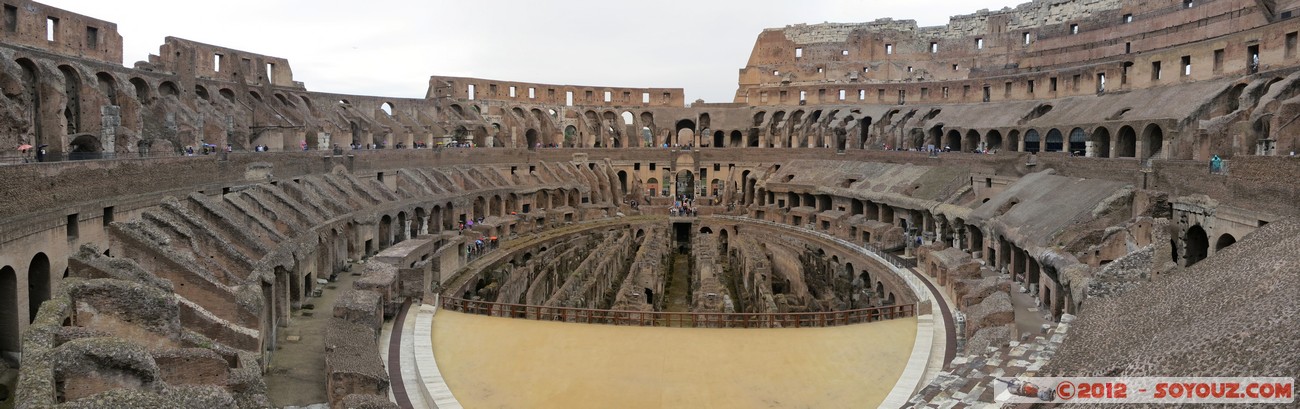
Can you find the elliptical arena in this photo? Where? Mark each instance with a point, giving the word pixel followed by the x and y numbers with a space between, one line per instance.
pixel 886 215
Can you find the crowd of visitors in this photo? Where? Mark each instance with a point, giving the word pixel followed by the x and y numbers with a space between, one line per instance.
pixel 683 206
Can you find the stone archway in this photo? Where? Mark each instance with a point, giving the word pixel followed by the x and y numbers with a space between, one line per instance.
pixel 1224 240
pixel 10 342
pixel 1100 146
pixel 38 284
pixel 1196 245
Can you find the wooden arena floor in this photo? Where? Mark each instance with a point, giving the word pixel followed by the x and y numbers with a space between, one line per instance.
pixel 510 363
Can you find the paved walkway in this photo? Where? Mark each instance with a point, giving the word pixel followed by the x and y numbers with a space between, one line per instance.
pixel 296 375
pixel 1029 318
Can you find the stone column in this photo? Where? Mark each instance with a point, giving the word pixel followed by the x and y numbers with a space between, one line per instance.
pixel 110 119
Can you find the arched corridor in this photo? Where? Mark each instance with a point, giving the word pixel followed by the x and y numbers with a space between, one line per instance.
pixel 1195 246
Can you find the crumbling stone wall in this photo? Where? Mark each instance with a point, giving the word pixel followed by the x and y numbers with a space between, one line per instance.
pixel 644 285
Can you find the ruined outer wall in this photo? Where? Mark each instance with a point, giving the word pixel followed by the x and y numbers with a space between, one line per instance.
pixel 551 94
pixel 1009 49
pixel 205 61
pixel 27 22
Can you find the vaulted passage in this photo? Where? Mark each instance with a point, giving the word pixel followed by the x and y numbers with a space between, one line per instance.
pixel 1224 241
pixel 1126 144
pixel 38 284
pixel 1101 143
pixel 9 335
pixel 1197 245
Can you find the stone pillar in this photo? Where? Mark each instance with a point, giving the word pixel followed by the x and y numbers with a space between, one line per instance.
pixel 1017 264
pixel 110 119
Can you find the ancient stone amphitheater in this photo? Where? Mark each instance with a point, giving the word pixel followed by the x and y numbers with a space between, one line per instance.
pixel 1067 187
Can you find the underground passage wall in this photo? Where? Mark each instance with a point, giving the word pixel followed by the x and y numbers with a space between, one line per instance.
pixel 702 266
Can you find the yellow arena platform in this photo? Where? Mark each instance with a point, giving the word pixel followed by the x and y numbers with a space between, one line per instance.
pixel 491 363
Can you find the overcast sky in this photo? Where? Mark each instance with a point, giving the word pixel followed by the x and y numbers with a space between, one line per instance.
pixel 390 48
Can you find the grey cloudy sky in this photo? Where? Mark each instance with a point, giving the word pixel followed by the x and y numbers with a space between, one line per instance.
pixel 390 48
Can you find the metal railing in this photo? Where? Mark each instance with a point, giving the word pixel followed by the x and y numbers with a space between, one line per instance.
pixel 679 319
pixel 915 283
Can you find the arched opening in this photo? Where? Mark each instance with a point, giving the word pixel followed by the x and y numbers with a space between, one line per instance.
pixel 480 207
pixel 652 187
pixel 684 132
pixel 933 140
pixel 1224 241
pixel 736 140
pixel 421 219
pixel 1100 143
pixel 1053 143
pixel 953 141
pixel 570 135
pixel 85 146
pixel 1013 140
pixel 1153 140
pixel 1196 245
pixel 32 93
pixel 107 86
pixel 495 206
pixel 202 93
pixel 1032 140
pixel 622 180
pixel 971 142
pixel 1126 143
pixel 706 230
pixel 387 108
pixel 719 139
pixel 141 90
pixel 1078 141
pixel 10 344
pixel 647 136
pixel 385 232
pixel 686 184
pixel 864 132
pixel 531 138
pixel 627 118
pixel 993 141
pixel 71 89
pixel 169 89
pixel 227 93
pixel 38 284
pixel 775 129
